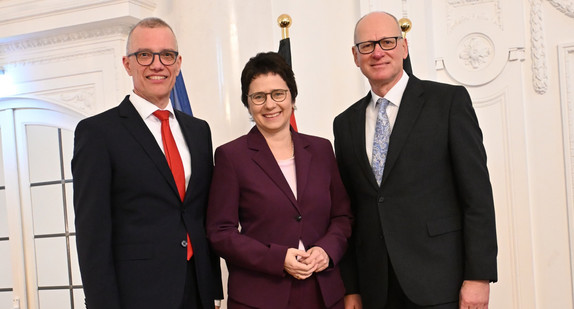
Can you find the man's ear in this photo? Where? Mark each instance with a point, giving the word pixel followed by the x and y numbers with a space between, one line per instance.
pixel 355 55
pixel 127 64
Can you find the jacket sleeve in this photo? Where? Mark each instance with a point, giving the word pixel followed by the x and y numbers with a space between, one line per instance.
pixel 92 174
pixel 334 242
pixel 348 263
pixel 475 191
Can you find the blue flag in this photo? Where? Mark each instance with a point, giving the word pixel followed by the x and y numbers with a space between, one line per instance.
pixel 178 96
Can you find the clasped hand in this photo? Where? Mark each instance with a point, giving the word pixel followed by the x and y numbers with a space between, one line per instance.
pixel 302 264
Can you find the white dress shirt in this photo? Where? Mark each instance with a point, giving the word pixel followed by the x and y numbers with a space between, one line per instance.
pixel 146 109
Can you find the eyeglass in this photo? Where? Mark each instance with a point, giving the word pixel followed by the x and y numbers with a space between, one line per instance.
pixel 277 95
pixel 146 57
pixel 368 47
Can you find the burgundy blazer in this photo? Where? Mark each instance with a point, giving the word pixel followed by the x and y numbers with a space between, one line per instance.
pixel 249 189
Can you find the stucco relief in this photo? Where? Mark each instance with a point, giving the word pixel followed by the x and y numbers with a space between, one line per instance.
pixel 58 66
pixel 461 11
pixel 78 99
pixel 480 49
pixel 566 69
pixel 66 38
pixel 564 6
pixel 475 51
pixel 61 58
pixel 538 48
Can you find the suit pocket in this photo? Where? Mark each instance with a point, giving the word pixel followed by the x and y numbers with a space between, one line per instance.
pixel 444 225
pixel 130 252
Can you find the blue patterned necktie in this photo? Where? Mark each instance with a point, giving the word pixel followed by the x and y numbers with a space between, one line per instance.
pixel 381 140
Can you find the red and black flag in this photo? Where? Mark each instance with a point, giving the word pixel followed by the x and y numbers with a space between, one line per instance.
pixel 285 52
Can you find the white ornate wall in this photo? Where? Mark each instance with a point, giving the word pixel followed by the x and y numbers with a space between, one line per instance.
pixel 482 46
pixel 68 52
pixel 516 57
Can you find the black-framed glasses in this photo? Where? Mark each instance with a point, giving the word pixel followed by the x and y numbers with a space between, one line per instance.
pixel 368 47
pixel 277 95
pixel 146 57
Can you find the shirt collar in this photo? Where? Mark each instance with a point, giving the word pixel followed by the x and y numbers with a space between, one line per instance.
pixel 146 108
pixel 395 94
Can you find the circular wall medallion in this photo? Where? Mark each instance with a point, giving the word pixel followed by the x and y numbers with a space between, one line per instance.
pixel 476 53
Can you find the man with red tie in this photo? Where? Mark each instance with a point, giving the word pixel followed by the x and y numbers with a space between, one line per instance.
pixel 142 172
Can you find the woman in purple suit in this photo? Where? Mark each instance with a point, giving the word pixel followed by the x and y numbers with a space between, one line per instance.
pixel 278 212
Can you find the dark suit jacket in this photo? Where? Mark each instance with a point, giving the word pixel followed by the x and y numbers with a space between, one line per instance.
pixel 249 188
pixel 433 214
pixel 130 220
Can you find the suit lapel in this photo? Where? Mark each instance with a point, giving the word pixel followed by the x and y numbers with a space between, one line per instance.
pixel 302 162
pixel 409 110
pixel 139 130
pixel 190 140
pixel 358 137
pixel 263 157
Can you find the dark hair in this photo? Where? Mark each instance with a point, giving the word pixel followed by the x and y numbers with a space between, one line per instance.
pixel 265 63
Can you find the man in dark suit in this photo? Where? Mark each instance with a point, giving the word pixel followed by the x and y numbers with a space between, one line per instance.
pixel 424 234
pixel 139 213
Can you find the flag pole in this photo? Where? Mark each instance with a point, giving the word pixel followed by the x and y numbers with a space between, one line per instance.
pixel 406 26
pixel 284 21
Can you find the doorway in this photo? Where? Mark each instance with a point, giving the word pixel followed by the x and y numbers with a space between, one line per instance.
pixel 38 260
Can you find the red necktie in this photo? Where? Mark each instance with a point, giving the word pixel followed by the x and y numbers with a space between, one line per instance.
pixel 173 160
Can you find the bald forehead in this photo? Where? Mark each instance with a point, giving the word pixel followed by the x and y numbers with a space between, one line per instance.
pixel 376 25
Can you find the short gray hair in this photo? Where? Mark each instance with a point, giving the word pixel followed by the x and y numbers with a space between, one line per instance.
pixel 389 14
pixel 149 22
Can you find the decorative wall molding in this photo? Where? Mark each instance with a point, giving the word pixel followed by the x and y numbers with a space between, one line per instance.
pixel 78 99
pixel 475 29
pixel 476 51
pixel 462 11
pixel 538 48
pixel 404 9
pixel 566 66
pixel 21 10
pixel 468 2
pixel 566 78
pixel 42 42
pixel 564 6
pixel 60 58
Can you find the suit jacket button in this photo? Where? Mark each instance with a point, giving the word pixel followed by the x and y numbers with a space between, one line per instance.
pixel 184 243
pixel 381 199
pixel 298 218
